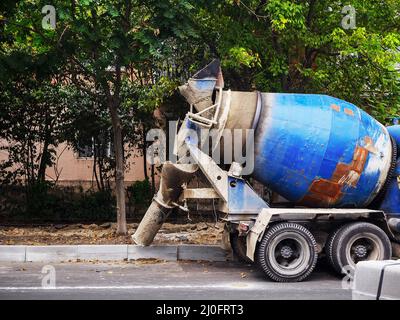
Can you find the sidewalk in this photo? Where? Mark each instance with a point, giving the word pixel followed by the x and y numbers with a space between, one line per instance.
pixel 59 253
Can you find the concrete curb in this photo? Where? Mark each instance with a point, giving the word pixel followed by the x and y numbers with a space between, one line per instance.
pixel 60 253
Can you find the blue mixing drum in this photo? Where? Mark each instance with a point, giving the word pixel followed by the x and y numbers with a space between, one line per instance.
pixel 320 151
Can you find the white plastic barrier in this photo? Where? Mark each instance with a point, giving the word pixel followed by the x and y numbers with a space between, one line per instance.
pixel 377 280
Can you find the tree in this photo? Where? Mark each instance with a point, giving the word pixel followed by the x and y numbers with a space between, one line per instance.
pixel 101 41
pixel 125 57
pixel 301 46
pixel 32 112
pixel 143 99
pixel 88 125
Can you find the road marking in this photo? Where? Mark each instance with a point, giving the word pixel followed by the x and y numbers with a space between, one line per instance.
pixel 222 286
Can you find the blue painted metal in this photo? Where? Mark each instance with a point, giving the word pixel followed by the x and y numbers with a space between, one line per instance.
pixel 391 201
pixel 314 150
pixel 394 131
pixel 194 131
pixel 242 198
pixel 308 143
pixel 207 84
pixel 395 121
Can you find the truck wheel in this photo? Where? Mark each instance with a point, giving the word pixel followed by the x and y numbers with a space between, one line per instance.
pixel 239 247
pixel 328 246
pixel 355 242
pixel 287 252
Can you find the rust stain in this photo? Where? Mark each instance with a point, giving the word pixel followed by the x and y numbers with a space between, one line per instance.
pixel 335 107
pixel 349 112
pixel 369 145
pixel 368 140
pixel 326 192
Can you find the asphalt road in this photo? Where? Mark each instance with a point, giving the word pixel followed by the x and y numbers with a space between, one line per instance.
pixel 162 280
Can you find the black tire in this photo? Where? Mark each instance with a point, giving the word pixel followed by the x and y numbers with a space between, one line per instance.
pixel 239 247
pixel 355 242
pixel 328 246
pixel 287 252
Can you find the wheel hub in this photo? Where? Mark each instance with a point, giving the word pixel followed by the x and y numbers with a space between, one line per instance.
pixel 286 252
pixel 360 251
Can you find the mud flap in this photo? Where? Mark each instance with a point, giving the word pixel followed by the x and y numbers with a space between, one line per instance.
pixel 257 231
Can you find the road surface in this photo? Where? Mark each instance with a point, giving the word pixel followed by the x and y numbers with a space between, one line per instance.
pixel 158 280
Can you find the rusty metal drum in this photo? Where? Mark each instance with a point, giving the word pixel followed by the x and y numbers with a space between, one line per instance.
pixel 320 151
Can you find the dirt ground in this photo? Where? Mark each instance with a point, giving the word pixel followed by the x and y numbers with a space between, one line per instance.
pixel 197 233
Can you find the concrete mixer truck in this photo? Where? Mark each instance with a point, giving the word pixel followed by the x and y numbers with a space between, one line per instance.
pixel 335 165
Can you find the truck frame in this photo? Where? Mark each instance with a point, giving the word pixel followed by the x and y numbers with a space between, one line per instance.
pixel 286 242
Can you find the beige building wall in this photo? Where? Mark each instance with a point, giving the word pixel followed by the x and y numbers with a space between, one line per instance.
pixel 74 170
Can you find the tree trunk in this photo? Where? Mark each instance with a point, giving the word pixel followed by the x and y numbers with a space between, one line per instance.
pixel 95 166
pixel 43 163
pixel 146 176
pixel 119 170
pixel 44 159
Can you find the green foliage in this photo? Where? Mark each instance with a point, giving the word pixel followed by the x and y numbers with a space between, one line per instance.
pixel 290 46
pixel 32 115
pixel 128 57
pixel 91 206
pixel 240 56
pixel 88 124
pixel 151 97
pixel 109 51
pixel 39 201
pixel 139 193
pixel 46 202
pixel 300 46
pixel 286 15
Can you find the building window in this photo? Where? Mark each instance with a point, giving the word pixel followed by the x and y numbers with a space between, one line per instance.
pixel 100 147
pixel 85 151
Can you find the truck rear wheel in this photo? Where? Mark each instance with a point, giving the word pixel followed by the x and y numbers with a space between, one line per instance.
pixel 287 252
pixel 355 242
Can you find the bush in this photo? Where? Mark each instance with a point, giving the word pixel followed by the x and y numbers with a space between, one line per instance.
pixel 140 194
pixel 94 205
pixel 40 202
pixel 43 201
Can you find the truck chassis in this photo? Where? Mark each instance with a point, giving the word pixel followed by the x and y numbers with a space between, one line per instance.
pixel 286 242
